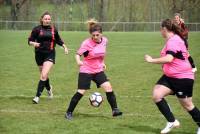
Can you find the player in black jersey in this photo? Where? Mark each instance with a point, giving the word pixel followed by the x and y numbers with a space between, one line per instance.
pixel 43 38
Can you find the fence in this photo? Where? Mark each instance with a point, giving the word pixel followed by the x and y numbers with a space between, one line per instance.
pixel 80 26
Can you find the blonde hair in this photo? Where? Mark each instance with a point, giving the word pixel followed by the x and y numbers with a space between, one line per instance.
pixel 91 22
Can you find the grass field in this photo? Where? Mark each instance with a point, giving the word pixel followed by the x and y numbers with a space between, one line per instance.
pixel 132 80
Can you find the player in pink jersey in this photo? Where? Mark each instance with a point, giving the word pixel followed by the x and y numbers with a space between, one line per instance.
pixel 92 68
pixel 178 77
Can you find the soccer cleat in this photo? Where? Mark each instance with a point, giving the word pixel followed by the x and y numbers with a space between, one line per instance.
pixel 198 131
pixel 36 100
pixel 116 112
pixel 50 92
pixel 68 115
pixel 170 126
pixel 194 70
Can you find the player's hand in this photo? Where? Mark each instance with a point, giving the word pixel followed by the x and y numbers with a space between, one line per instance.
pixel 36 45
pixel 79 63
pixel 66 50
pixel 148 58
pixel 104 66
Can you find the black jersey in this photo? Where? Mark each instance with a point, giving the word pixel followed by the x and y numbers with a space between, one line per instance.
pixel 47 36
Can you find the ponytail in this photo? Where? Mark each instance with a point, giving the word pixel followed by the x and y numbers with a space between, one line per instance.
pixel 177 30
pixel 93 26
pixel 91 23
pixel 171 25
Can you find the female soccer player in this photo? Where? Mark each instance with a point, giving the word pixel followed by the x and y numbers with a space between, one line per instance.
pixel 184 34
pixel 43 38
pixel 177 79
pixel 92 67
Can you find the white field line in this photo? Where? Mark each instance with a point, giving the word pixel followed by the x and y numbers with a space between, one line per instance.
pixel 95 113
pixel 64 96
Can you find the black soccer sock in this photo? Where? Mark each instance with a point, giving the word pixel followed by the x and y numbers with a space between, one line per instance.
pixel 47 85
pixel 195 113
pixel 111 99
pixel 40 88
pixel 191 61
pixel 165 110
pixel 74 101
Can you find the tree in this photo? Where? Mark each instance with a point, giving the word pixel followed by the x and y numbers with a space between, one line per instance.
pixel 103 10
pixel 15 9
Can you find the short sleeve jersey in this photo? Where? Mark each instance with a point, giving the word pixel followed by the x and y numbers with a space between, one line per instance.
pixel 180 66
pixel 94 54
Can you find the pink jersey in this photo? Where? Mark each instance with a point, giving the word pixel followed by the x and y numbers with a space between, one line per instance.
pixel 94 61
pixel 180 66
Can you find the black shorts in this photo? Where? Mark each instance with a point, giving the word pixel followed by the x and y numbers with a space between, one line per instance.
pixel 182 88
pixel 40 57
pixel 84 80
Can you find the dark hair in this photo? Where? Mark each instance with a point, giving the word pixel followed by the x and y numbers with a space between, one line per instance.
pixel 170 25
pixel 94 28
pixel 45 13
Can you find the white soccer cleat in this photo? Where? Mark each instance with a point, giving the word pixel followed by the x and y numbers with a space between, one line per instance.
pixel 36 100
pixel 198 131
pixel 170 126
pixel 194 70
pixel 50 92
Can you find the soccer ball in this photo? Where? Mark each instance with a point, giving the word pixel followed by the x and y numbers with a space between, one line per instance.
pixel 96 99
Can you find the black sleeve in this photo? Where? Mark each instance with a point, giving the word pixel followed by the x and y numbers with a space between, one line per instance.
pixel 34 35
pixel 58 40
pixel 171 52
pixel 178 54
pixel 85 54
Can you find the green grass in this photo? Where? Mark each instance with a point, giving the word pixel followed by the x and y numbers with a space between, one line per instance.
pixel 132 80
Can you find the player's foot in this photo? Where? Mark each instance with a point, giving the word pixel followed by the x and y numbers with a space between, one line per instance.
pixel 198 131
pixel 170 126
pixel 194 70
pixel 50 92
pixel 116 112
pixel 68 115
pixel 36 100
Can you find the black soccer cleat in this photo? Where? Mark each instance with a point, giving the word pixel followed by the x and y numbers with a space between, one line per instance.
pixel 68 116
pixel 116 112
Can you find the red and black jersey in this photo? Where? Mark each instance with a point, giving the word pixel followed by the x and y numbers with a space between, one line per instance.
pixel 47 36
pixel 184 31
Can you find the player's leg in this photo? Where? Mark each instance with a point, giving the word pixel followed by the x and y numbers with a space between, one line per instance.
pixel 39 58
pixel 47 65
pixel 84 81
pixel 111 98
pixel 50 57
pixel 101 80
pixel 159 92
pixel 184 89
pixel 73 103
pixel 191 109
pixel 47 84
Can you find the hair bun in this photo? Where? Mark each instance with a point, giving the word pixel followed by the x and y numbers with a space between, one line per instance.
pixel 91 22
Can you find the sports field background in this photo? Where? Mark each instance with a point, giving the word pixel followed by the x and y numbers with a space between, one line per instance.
pixel 132 80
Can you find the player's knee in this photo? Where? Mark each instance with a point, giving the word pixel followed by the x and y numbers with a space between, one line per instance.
pixel 157 97
pixel 81 91
pixel 43 76
pixel 188 106
pixel 108 88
